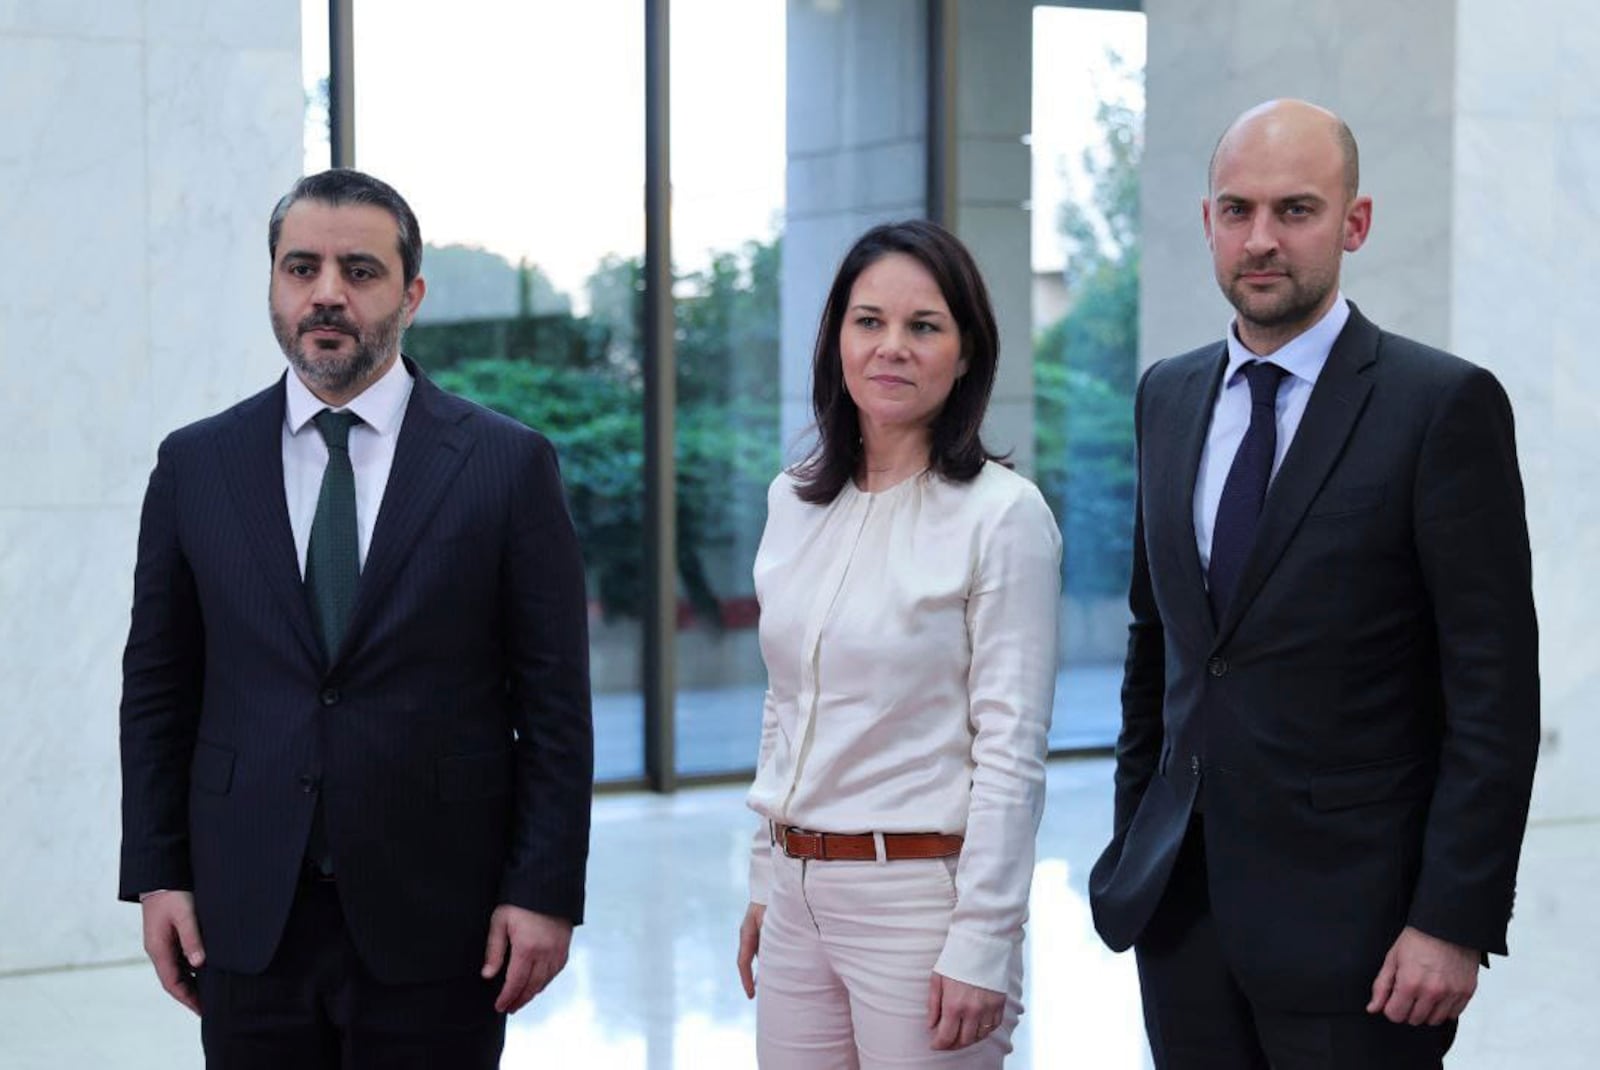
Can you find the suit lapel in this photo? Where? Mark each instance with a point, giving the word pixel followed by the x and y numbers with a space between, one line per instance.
pixel 1196 397
pixel 251 453
pixel 1335 403
pixel 428 453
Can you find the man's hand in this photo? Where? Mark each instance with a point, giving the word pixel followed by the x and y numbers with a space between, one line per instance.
pixel 749 945
pixel 172 940
pixel 539 946
pixel 1424 980
pixel 960 1014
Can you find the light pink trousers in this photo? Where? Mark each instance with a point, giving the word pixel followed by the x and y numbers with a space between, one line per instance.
pixel 846 953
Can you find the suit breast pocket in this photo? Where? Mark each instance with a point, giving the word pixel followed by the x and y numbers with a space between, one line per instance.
pixel 1348 501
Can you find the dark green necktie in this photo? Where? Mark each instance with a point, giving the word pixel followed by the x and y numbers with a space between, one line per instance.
pixel 333 562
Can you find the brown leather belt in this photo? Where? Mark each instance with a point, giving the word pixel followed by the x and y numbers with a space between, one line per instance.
pixel 862 847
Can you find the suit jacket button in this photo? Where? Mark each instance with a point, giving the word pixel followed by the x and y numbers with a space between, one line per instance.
pixel 1217 667
pixel 1194 764
pixel 330 696
pixel 308 783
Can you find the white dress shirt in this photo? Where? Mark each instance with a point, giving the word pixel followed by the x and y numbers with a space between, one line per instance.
pixel 1302 357
pixel 910 643
pixel 382 407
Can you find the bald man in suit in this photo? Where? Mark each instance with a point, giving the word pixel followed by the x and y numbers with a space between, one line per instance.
pixel 1331 695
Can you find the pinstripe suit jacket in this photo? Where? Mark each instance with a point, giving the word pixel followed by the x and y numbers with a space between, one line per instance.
pixel 450 740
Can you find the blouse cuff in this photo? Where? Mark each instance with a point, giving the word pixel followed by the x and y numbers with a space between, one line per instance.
pixel 976 958
pixel 760 876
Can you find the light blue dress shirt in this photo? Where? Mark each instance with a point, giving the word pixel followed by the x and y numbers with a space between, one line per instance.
pixel 1303 358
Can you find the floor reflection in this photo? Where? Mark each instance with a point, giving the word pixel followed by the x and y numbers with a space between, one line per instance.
pixel 652 982
pixel 1084 999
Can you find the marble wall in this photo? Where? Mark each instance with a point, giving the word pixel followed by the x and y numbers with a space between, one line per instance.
pixel 1525 269
pixel 141 148
pixel 1480 143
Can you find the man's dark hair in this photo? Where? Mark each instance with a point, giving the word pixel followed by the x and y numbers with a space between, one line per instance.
pixel 957 451
pixel 344 185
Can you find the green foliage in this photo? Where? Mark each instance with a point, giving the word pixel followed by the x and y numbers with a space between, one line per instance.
pixel 560 339
pixel 1086 367
pixel 577 380
pixel 727 338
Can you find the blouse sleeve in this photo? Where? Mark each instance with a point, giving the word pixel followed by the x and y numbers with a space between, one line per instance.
pixel 761 841
pixel 1011 624
pixel 779 493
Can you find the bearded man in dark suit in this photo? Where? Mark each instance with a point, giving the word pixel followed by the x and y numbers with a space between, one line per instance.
pixel 357 747
pixel 1331 696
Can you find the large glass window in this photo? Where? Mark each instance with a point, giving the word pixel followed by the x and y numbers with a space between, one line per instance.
pixel 727 210
pixel 1088 131
pixel 314 77
pixel 516 132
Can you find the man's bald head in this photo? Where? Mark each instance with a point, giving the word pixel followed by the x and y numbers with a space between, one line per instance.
pixel 1285 119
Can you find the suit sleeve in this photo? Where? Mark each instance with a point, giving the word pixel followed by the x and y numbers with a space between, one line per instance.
pixel 162 678
pixel 1144 667
pixel 1472 542
pixel 547 643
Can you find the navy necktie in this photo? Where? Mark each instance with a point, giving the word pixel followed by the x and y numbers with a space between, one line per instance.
pixel 333 563
pixel 1246 486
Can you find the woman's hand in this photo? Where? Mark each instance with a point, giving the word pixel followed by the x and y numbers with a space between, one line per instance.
pixel 960 1014
pixel 749 943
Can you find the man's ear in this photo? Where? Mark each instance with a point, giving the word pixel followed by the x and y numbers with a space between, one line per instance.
pixel 413 297
pixel 1357 223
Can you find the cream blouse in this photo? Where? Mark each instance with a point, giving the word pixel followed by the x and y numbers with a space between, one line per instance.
pixel 910 643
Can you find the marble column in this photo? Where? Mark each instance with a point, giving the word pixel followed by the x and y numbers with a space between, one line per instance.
pixel 994 178
pixel 857 137
pixel 141 149
pixel 1525 272
pixel 857 156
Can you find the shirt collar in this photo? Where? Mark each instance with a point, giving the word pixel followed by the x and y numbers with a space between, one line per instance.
pixel 1303 355
pixel 381 406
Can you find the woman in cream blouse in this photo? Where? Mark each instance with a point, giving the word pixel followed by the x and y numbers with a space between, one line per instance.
pixel 908 585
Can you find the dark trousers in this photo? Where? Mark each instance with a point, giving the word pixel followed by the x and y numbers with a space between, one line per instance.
pixel 1198 1018
pixel 316 1008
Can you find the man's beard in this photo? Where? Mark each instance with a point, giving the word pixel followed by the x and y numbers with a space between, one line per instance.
pixel 1294 305
pixel 329 370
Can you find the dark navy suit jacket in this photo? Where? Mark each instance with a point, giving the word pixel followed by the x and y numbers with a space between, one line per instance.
pixel 1363 721
pixel 450 741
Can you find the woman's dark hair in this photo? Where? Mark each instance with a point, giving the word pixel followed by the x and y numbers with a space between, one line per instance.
pixel 956 450
pixel 343 185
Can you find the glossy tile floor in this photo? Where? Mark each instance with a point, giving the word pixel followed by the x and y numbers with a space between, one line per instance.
pixel 651 985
